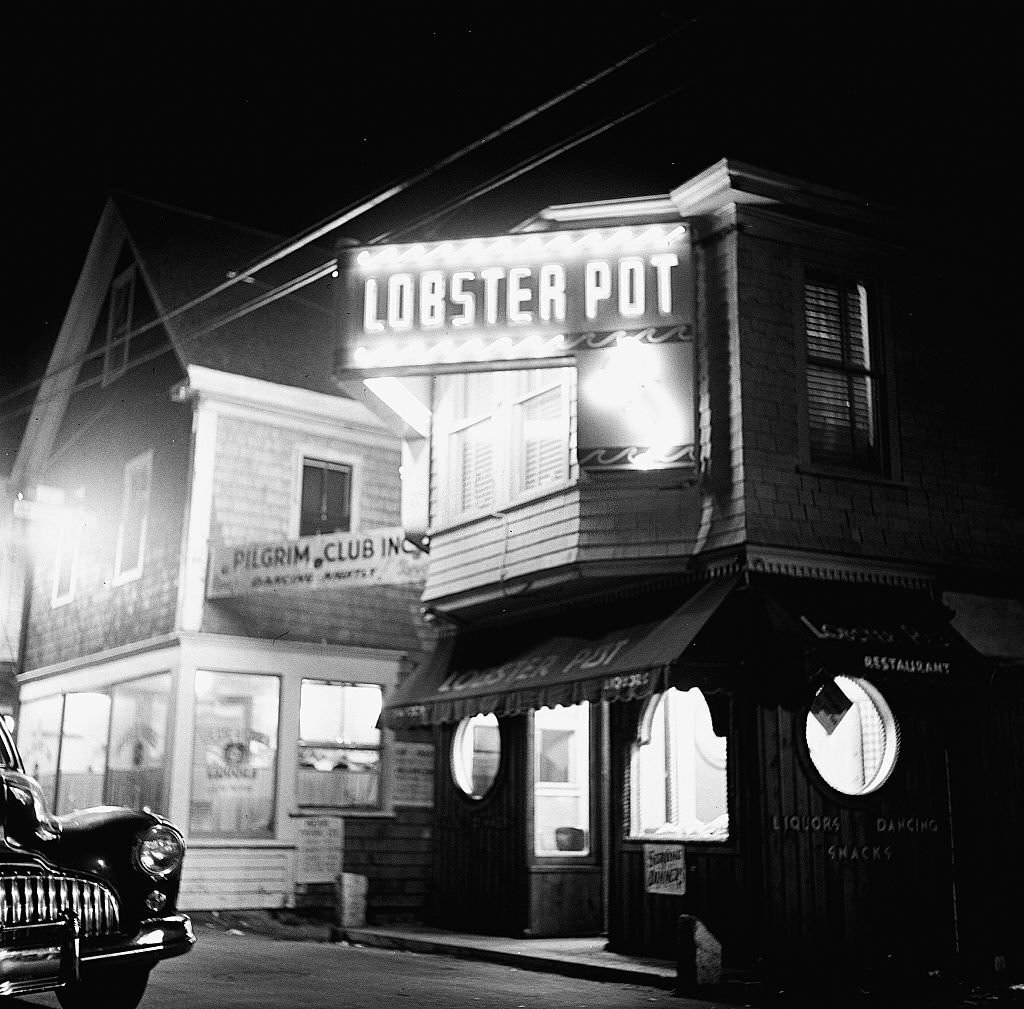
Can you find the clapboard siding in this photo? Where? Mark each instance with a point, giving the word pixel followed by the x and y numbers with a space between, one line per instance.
pixel 236 877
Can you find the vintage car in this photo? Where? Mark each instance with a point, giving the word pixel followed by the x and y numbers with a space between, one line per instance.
pixel 87 900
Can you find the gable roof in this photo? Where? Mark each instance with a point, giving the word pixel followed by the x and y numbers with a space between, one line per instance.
pixel 181 256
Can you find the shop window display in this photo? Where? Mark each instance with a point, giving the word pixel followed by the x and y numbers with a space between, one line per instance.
pixel 339 745
pixel 679 770
pixel 852 736
pixel 476 754
pixel 234 761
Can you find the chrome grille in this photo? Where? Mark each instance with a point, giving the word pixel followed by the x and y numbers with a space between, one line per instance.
pixel 30 898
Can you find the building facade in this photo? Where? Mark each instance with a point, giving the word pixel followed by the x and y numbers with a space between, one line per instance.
pixel 208 630
pixel 713 532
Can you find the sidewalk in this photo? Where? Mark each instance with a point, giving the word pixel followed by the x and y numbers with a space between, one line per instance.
pixel 573 957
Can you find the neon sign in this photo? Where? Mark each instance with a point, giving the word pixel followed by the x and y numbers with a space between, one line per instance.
pixel 425 307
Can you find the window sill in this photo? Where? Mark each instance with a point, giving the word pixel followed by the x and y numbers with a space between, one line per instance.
pixel 346 811
pixel 852 475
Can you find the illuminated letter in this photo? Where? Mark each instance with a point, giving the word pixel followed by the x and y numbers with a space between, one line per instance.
pixel 663 263
pixel 515 295
pixel 631 287
pixel 400 301
pixel 464 299
pixel 597 286
pixel 371 324
pixel 432 299
pixel 491 276
pixel 551 293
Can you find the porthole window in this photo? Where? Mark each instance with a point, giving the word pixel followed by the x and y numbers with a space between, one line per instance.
pixel 852 736
pixel 476 754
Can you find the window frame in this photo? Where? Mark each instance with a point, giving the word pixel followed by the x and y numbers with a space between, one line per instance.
pixel 645 715
pixel 67 549
pixel 314 453
pixel 380 748
pixel 142 461
pixel 510 394
pixel 118 337
pixel 884 464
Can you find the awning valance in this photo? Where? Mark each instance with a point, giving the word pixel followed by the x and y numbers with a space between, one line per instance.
pixel 627 662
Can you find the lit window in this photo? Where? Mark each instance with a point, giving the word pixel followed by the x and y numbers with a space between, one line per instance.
pixel 843 387
pixel 131 534
pixel 234 755
pixel 508 436
pixel 110 745
pixel 476 754
pixel 852 736
pixel 138 742
pixel 339 745
pixel 65 572
pixel 561 780
pixel 679 780
pixel 326 497
pixel 119 325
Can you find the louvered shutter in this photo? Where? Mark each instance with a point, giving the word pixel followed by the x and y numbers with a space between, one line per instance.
pixel 841 384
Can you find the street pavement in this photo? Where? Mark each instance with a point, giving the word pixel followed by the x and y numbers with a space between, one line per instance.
pixel 228 971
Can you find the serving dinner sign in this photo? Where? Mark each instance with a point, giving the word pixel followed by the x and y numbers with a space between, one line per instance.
pixel 372 557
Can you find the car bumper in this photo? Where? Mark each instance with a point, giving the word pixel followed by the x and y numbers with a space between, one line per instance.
pixel 42 957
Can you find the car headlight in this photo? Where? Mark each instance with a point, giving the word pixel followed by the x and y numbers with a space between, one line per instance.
pixel 159 851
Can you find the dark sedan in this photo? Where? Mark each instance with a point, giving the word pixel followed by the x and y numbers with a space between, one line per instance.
pixel 87 900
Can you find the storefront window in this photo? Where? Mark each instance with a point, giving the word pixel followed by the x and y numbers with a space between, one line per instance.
pixel 110 745
pixel 39 741
pixel 234 761
pixel 339 745
pixel 679 779
pixel 83 751
pixel 476 754
pixel 852 736
pixel 138 741
pixel 561 780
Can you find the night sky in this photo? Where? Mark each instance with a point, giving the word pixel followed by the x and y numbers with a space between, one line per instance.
pixel 278 115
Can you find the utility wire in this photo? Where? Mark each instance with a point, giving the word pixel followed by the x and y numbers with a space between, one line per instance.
pixel 354 210
pixel 318 272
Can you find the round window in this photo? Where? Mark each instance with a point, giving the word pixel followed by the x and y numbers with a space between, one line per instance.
pixel 476 754
pixel 852 736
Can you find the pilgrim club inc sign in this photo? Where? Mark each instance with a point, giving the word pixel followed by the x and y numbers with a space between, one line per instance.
pixel 524 297
pixel 374 557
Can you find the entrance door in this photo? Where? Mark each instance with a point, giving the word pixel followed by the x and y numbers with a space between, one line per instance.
pixel 564 850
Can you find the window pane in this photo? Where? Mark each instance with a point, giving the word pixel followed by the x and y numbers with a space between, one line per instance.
pixel 852 736
pixel 234 762
pixel 476 754
pixel 679 773
pixel 561 760
pixel 326 498
pixel 472 451
pixel 138 741
pixel 543 437
pixel 39 741
pixel 339 745
pixel 134 512
pixel 83 752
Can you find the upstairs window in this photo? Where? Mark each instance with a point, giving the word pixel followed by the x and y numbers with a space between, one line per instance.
pixel 339 745
pixel 843 378
pixel 326 505
pixel 508 437
pixel 131 534
pixel 65 571
pixel 119 325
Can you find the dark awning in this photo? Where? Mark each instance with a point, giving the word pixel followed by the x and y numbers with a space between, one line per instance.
pixel 628 662
pixel 859 629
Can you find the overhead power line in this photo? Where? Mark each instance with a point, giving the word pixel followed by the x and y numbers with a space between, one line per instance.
pixel 358 208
